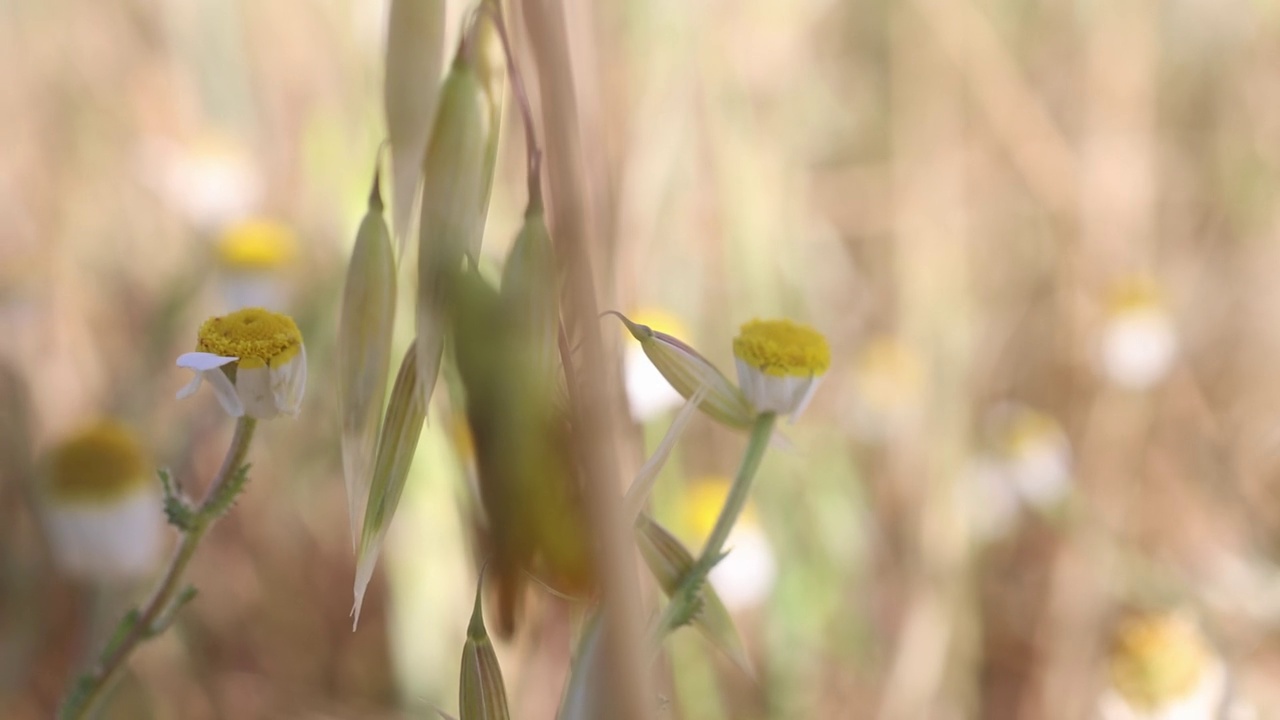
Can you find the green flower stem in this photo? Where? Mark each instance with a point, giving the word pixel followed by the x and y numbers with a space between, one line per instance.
pixel 91 688
pixel 684 602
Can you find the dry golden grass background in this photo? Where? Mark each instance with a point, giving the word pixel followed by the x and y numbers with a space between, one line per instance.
pixel 970 176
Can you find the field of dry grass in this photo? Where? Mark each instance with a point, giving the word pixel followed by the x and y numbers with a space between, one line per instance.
pixel 1042 239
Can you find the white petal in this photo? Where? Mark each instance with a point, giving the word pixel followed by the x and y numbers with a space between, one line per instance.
pixel 209 367
pixel 201 361
pixel 190 388
pixel 113 542
pixel 225 392
pixel 289 383
pixel 253 387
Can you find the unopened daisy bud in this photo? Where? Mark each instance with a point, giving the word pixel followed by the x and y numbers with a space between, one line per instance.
pixel 401 428
pixel 364 350
pixel 745 577
pixel 1139 341
pixel 411 89
pixel 1036 454
pixel 100 506
pixel 481 693
pixel 687 371
pixel 670 561
pixel 649 395
pixel 452 219
pixel 253 359
pixel 779 364
pixel 251 255
pixel 1161 666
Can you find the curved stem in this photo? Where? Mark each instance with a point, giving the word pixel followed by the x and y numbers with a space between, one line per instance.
pixel 91 689
pixel 684 601
pixel 532 150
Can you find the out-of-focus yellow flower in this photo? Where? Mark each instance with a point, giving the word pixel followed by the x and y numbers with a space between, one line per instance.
pixel 779 364
pixel 649 395
pixel 1139 340
pixel 1162 668
pixel 254 360
pixel 102 513
pixel 746 576
pixel 888 389
pixel 251 255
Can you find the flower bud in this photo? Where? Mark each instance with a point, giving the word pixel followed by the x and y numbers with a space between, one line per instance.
pixel 364 350
pixel 687 371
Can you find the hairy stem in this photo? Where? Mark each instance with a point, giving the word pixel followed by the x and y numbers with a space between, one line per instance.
pixel 684 601
pixel 91 689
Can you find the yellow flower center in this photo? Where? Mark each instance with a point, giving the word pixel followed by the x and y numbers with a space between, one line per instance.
pixel 256 337
pixel 1031 430
pixel 782 348
pixel 101 463
pixel 1157 659
pixel 888 374
pixel 256 245
pixel 1135 294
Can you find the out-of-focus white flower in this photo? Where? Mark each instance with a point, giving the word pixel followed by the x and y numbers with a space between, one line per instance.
pixel 213 180
pixel 991 498
pixel 102 513
pixel 780 364
pixel 1162 668
pixel 254 360
pixel 649 395
pixel 888 389
pixel 1139 340
pixel 746 576
pixel 251 256
pixel 1036 454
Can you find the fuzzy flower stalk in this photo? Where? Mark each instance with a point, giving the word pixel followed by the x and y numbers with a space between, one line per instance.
pixel 256 364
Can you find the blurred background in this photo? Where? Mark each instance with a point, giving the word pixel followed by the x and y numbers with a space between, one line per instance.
pixel 1041 237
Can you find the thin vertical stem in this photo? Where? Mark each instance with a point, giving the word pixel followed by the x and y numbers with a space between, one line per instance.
pixel 684 602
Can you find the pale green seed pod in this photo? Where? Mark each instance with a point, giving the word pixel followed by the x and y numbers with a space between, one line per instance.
pixel 670 561
pixel 481 693
pixel 406 413
pixel 452 218
pixel 364 351
pixel 411 89
pixel 530 296
pixel 491 70
pixel 687 371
